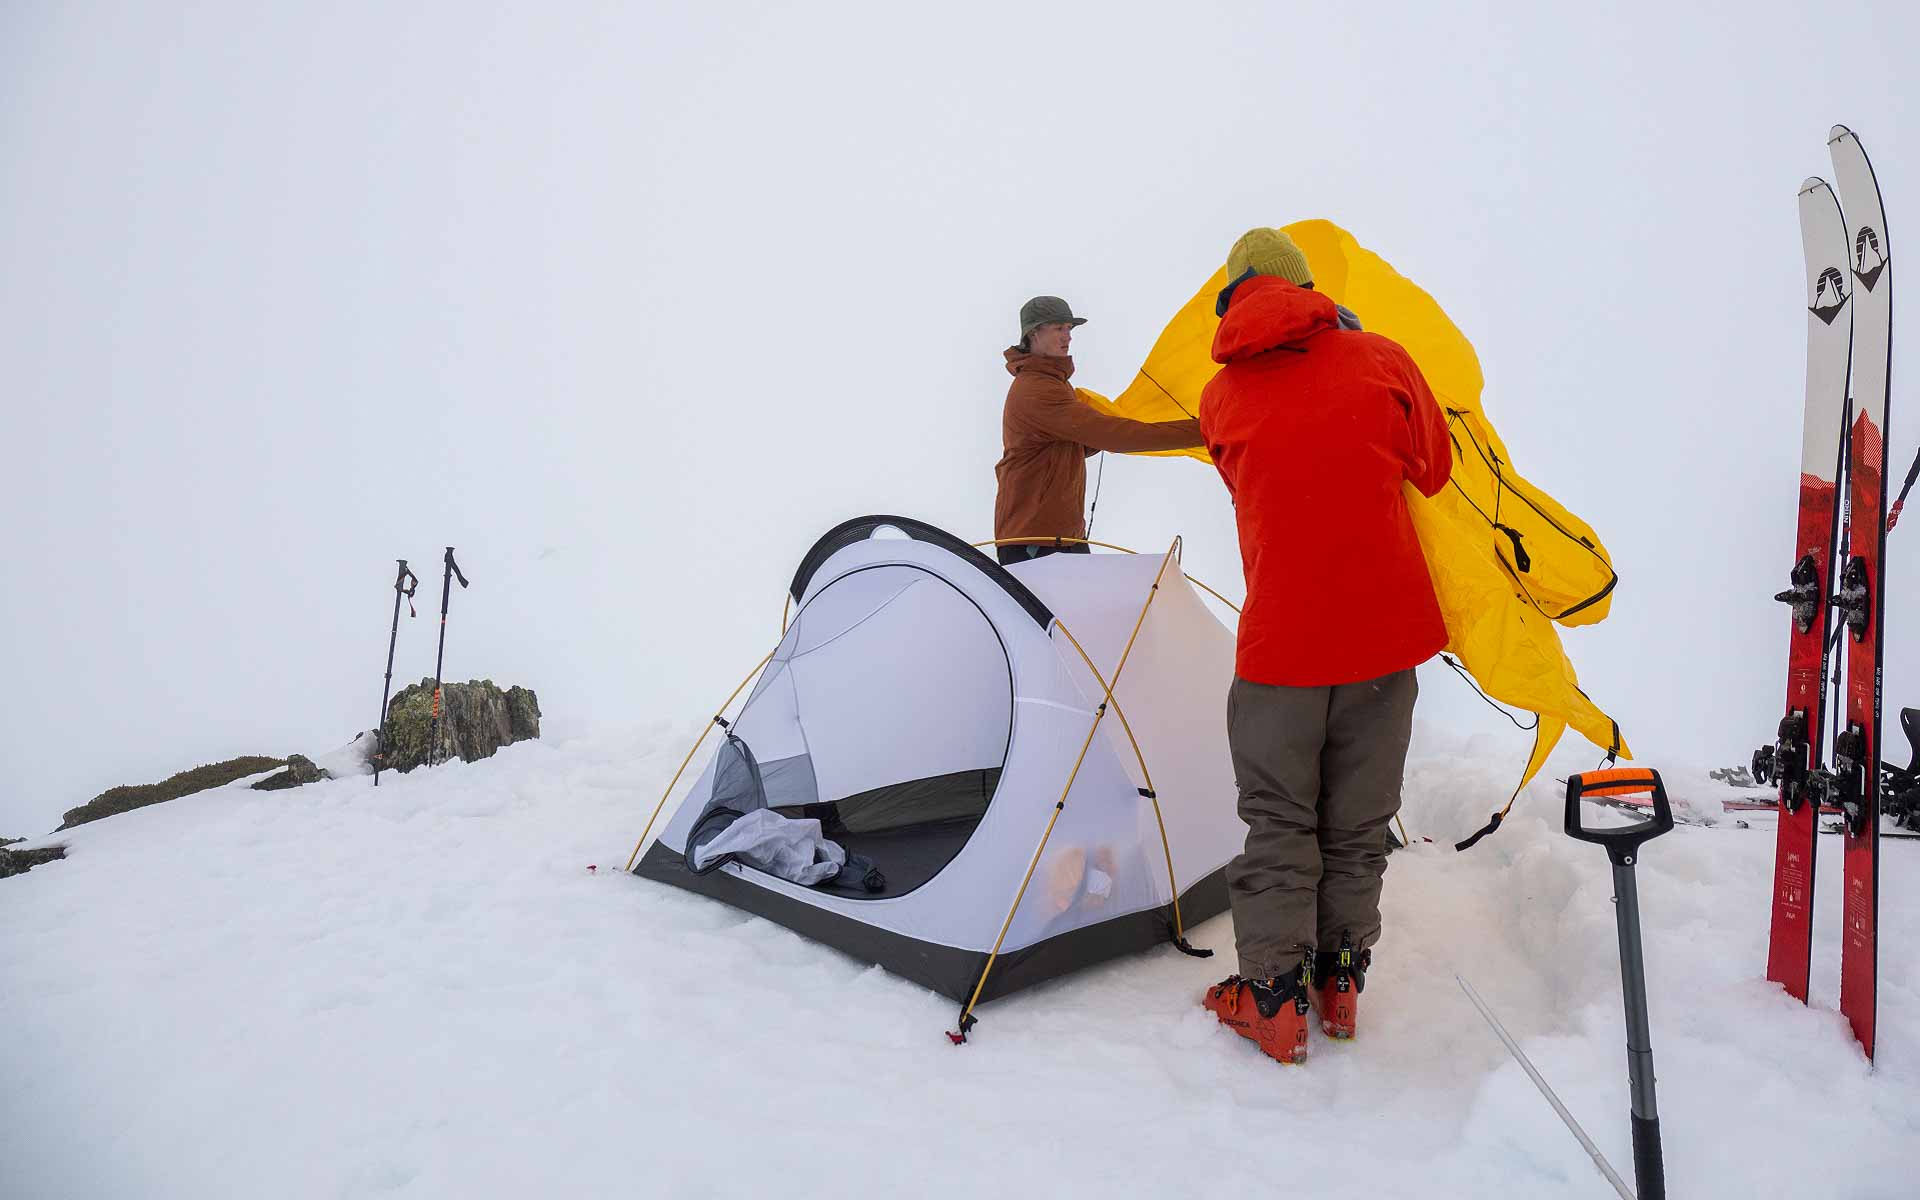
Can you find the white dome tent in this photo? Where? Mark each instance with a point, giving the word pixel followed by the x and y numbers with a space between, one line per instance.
pixel 944 717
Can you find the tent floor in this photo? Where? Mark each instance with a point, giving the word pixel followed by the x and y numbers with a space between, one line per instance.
pixel 949 970
pixel 908 856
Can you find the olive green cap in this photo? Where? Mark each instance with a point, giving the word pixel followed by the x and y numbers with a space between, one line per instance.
pixel 1045 310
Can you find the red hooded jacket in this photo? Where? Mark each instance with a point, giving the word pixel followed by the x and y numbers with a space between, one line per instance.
pixel 1314 428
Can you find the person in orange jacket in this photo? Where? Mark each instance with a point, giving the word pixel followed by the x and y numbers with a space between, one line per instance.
pixel 1315 426
pixel 1047 433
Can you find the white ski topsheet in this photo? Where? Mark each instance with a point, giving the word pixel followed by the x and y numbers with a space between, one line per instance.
pixel 1823 236
pixel 1872 270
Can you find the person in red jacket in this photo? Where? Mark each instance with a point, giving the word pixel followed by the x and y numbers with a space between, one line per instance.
pixel 1047 432
pixel 1316 427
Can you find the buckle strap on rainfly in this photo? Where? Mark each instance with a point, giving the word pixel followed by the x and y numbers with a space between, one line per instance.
pixel 1184 946
pixel 1173 931
pixel 1493 823
pixel 1613 756
pixel 1484 830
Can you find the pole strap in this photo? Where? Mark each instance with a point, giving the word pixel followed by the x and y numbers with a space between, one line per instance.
pixel 412 585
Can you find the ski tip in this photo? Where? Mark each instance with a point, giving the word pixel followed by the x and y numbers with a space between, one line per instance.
pixel 1839 133
pixel 1813 183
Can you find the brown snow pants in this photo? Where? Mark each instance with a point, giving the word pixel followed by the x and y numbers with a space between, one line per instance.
pixel 1319 772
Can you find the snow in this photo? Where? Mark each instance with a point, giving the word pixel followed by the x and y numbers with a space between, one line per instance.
pixel 422 991
pixel 347 761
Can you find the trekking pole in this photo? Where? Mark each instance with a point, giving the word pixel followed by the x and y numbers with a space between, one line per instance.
pixel 447 577
pixel 405 583
pixel 1623 848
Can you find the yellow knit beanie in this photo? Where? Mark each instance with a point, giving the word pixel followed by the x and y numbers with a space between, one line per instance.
pixel 1268 252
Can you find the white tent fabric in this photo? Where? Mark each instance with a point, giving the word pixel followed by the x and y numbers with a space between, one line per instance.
pixel 1173 691
pixel 907 659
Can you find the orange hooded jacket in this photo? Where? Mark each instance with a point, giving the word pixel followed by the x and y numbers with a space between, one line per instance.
pixel 1313 428
pixel 1047 433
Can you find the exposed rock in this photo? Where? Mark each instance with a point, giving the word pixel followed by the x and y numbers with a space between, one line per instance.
pixel 129 797
pixel 300 770
pixel 476 719
pixel 523 713
pixel 19 862
pixel 5 842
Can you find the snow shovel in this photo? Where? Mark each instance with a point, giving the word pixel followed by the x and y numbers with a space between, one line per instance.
pixel 1623 847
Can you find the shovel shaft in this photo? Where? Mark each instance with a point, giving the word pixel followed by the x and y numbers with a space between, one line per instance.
pixel 1648 1169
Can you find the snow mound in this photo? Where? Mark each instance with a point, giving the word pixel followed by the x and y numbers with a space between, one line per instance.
pixel 422 990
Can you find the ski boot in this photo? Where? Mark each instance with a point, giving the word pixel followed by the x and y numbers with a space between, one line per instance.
pixel 1339 978
pixel 1272 1013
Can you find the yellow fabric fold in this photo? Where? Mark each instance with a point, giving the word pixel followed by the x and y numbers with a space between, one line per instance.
pixel 1506 559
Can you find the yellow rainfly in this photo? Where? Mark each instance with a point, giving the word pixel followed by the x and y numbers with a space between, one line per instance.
pixel 1507 560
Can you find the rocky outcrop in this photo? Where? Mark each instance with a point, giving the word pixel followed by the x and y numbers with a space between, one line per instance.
pixel 300 770
pixel 476 719
pixel 19 862
pixel 523 713
pixel 129 797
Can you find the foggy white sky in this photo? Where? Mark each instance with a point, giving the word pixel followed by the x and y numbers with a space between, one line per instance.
pixel 631 302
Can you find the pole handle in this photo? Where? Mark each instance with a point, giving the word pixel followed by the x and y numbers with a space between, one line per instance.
pixel 406 583
pixel 455 567
pixel 1649 1172
pixel 1621 841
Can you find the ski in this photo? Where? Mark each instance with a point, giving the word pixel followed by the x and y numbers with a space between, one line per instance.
pixel 1861 601
pixel 1796 750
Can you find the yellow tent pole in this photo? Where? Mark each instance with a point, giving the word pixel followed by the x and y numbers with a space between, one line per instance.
pixel 696 749
pixel 1209 591
pixel 1123 716
pixel 1047 541
pixel 786 607
pixel 966 1014
pixel 1028 541
pixel 1179 927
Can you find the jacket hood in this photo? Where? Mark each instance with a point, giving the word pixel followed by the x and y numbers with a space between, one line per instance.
pixel 1266 313
pixel 1019 361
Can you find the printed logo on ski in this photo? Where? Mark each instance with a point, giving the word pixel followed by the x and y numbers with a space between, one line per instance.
pixel 1831 287
pixel 1868 261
